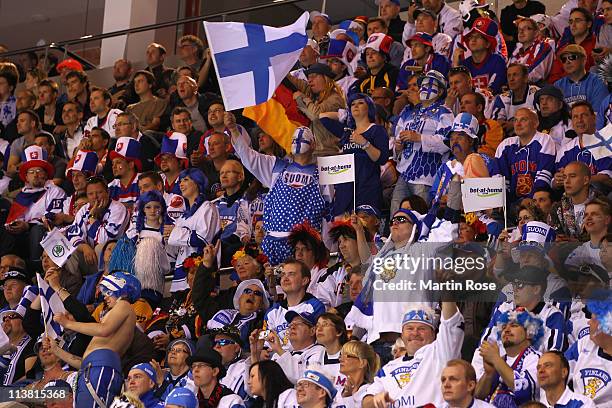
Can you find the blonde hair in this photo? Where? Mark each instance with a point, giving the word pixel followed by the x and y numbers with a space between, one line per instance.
pixel 330 88
pixel 364 351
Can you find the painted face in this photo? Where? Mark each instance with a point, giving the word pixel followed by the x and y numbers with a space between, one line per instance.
pixel 429 90
pixel 302 141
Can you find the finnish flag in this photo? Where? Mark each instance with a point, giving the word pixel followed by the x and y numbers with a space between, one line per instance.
pixel 251 60
pixel 51 304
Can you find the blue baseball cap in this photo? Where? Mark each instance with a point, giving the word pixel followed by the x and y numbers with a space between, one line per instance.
pixel 310 318
pixel 148 370
pixel 419 316
pixel 368 209
pixel 317 377
pixel 182 397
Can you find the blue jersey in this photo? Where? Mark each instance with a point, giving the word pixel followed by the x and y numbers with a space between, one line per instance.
pixel 369 187
pixel 589 88
pixel 525 167
pixel 127 194
pixel 572 151
pixel 435 61
pixel 419 161
pixel 490 73
pixel 604 115
pixel 234 216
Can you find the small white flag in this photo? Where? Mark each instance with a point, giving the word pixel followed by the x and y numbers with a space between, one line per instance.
pixel 50 304
pixel 57 246
pixel 336 169
pixel 599 144
pixel 482 193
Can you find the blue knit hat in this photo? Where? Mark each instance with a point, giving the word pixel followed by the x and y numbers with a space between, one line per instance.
pixel 182 397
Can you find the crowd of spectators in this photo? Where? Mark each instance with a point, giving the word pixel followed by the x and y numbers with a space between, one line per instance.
pixel 210 268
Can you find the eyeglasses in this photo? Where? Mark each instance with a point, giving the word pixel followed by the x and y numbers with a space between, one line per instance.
pixel 458 69
pixel 346 355
pixel 178 350
pixel 297 323
pixel 570 57
pixel 11 317
pixel 519 285
pixel 224 342
pixel 304 385
pixel 324 324
pixel 400 219
pixel 36 171
pixel 256 292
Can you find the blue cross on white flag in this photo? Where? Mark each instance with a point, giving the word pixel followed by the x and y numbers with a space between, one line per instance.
pixel 599 144
pixel 251 60
pixel 51 304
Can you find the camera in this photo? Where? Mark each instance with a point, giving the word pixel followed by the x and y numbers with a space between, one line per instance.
pixel 263 335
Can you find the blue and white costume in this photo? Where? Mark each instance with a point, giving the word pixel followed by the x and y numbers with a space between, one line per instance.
pixel 505 104
pixel 591 371
pixel 295 193
pixel 234 216
pixel 194 230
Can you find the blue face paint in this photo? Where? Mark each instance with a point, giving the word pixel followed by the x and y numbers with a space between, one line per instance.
pixel 429 90
pixel 458 147
pixel 301 142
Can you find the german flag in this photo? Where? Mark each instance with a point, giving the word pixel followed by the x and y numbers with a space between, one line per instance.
pixel 280 116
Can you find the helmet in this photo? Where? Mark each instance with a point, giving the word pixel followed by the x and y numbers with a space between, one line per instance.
pixel 122 284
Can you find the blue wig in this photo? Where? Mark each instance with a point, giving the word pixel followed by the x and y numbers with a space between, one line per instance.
pixel 600 304
pixel 350 121
pixel 534 327
pixel 150 196
pixel 122 257
pixel 202 182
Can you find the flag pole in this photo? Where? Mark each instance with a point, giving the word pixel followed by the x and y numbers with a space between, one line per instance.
pixel 38 277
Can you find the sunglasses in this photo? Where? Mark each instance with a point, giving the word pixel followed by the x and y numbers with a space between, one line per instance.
pixel 256 292
pixel 570 57
pixel 400 219
pixel 12 317
pixel 520 285
pixel 224 342
pixel 460 68
pixel 178 350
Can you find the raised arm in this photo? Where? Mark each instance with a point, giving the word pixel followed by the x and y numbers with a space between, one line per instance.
pixel 261 165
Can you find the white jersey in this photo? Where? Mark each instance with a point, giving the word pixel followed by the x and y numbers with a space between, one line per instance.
pixel 567 399
pixel 113 224
pixel 505 104
pixel 234 378
pixel 332 289
pixel 275 316
pixel 578 323
pixel 231 401
pixel 294 363
pixel 591 371
pixel 315 275
pixel 288 399
pixel 331 364
pixel 414 381
pixel 38 209
pixel 107 124
pixel 557 133
pixel 190 234
pixel 476 403
pixel 585 254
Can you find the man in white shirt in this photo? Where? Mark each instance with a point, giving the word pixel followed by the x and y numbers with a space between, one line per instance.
pixel 100 103
pixel 458 383
pixel 553 373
